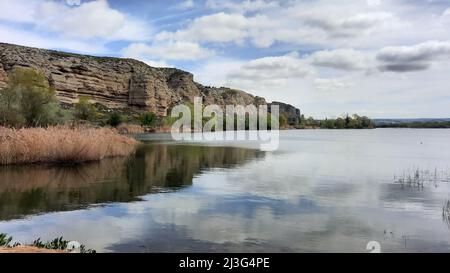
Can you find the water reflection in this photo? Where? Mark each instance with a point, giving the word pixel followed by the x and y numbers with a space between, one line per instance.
pixel 323 191
pixel 33 189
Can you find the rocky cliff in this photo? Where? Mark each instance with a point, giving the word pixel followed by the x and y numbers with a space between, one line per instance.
pixel 120 83
pixel 292 114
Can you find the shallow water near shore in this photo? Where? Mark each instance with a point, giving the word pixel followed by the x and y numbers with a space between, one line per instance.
pixel 321 191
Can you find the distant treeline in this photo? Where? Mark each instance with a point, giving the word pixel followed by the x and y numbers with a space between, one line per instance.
pixel 417 124
pixel 345 122
pixel 362 122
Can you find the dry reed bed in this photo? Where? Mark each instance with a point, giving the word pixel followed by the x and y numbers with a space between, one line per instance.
pixel 130 129
pixel 61 145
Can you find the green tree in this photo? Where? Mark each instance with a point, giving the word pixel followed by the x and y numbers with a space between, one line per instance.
pixel 347 121
pixel 283 121
pixel 366 122
pixel 328 124
pixel 114 120
pixel 340 123
pixel 85 110
pixel 28 97
pixel 311 122
pixel 355 122
pixel 9 107
pixel 302 120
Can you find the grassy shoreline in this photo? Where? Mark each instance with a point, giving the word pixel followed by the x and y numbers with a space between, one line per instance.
pixel 58 245
pixel 61 145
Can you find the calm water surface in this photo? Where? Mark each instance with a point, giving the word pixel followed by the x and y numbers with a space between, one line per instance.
pixel 322 191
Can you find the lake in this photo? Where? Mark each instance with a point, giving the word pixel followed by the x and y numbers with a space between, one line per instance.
pixel 321 191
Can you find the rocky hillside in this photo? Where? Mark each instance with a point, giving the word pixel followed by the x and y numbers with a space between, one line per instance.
pixel 121 83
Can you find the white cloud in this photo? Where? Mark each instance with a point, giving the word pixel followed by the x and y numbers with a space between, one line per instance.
pixel 27 38
pixel 299 23
pixel 168 51
pixel 18 10
pixel 331 84
pixel 94 19
pixel 412 58
pixel 343 59
pixel 242 6
pixel 271 71
pixel 326 24
pixel 446 12
pixel 186 4
pixel 351 26
pixel 214 71
pixel 394 59
pixel 219 27
pixel 373 3
pixel 156 63
pixel 73 2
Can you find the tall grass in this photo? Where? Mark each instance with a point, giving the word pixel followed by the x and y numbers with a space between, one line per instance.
pixel 61 145
pixel 126 128
pixel 418 178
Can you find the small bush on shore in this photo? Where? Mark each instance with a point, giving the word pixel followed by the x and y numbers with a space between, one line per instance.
pixel 4 240
pixel 61 145
pixel 56 244
pixel 148 119
pixel 59 244
pixel 85 110
pixel 114 120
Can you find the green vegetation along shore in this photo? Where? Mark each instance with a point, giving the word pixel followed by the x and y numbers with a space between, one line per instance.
pixel 345 122
pixel 58 244
pixel 418 125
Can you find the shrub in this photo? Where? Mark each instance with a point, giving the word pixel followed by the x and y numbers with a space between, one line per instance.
pixel 114 120
pixel 148 119
pixel 56 244
pixel 283 121
pixel 5 240
pixel 168 121
pixel 85 110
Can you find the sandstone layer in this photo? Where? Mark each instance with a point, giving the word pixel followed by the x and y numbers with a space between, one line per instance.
pixel 122 83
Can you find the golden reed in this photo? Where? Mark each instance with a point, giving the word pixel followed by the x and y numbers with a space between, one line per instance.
pixel 61 144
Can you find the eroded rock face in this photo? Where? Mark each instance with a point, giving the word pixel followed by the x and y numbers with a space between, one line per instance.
pixel 290 112
pixel 116 82
pixel 3 77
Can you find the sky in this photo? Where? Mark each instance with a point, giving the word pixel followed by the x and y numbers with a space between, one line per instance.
pixel 380 58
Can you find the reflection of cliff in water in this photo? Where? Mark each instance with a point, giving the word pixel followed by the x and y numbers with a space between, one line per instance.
pixel 34 189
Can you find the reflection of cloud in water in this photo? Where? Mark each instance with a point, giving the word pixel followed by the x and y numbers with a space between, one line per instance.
pixel 195 220
pixel 330 194
pixel 404 198
pixel 34 189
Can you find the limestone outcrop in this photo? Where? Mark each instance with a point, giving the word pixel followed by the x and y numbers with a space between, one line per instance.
pixel 290 112
pixel 120 83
